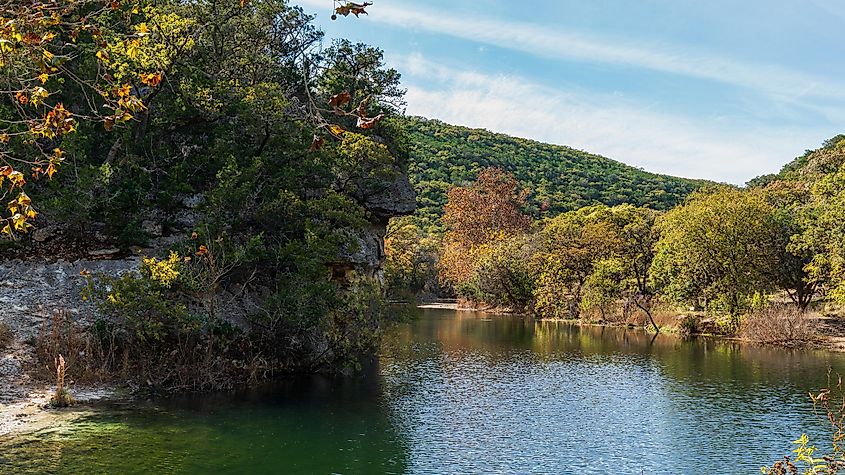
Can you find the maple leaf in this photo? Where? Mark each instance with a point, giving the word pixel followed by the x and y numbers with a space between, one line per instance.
pixel 353 8
pixel 338 100
pixel 151 79
pixel 317 143
pixel 369 123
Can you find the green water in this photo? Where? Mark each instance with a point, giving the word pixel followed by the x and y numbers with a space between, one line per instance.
pixel 466 393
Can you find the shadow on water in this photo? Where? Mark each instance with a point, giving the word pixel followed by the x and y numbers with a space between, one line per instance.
pixel 471 393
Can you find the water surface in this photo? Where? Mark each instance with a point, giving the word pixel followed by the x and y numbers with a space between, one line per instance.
pixel 469 393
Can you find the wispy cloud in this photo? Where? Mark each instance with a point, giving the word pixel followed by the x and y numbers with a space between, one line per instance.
pixel 540 40
pixel 602 123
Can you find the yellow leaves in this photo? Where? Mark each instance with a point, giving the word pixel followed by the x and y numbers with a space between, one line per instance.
pixel 150 79
pixel 123 91
pixel 16 178
pixel 4 138
pixel 103 55
pixel 22 212
pixel 142 29
pixel 164 272
pixel 59 121
pixel 38 96
pixel 336 131
pixel 6 46
pixel 133 49
pixel 23 200
pixel 43 77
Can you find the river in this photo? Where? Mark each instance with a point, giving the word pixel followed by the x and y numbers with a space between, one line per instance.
pixel 460 392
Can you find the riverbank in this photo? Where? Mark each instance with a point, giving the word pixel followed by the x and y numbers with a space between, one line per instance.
pixel 829 333
pixel 25 401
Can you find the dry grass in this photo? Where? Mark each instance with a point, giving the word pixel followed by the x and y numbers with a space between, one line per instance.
pixel 62 397
pixel 779 324
pixel 79 350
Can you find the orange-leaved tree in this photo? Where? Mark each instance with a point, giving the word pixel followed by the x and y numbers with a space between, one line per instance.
pixel 476 217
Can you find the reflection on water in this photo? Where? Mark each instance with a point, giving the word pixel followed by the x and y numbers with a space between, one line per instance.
pixel 471 393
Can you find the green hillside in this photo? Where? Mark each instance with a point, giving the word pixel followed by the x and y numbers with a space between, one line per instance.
pixel 560 178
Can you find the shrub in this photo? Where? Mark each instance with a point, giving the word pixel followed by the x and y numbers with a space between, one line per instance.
pixel 778 324
pixel 829 405
pixel 687 325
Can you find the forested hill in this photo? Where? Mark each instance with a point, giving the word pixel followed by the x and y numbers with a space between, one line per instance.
pixel 559 178
pixel 811 166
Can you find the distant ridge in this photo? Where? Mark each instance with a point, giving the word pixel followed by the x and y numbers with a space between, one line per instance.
pixel 560 178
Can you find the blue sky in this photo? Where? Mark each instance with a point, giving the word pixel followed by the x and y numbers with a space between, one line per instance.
pixel 723 90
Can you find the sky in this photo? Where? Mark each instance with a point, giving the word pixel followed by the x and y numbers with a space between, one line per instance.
pixel 721 90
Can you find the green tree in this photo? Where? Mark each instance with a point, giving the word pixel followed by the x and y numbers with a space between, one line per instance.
pixel 715 250
pixel 569 246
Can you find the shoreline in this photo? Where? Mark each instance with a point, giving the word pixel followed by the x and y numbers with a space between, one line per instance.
pixel 24 402
pixel 834 343
pixel 33 413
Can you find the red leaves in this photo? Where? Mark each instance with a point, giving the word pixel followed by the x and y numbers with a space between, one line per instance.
pixel 353 8
pixel 369 122
pixel 336 102
pixel 339 100
pixel 317 143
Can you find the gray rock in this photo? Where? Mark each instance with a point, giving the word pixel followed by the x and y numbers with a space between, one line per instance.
pixel 152 228
pixel 104 252
pixel 46 233
pixel 397 198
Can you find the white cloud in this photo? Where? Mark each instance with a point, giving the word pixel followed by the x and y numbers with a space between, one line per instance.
pixel 606 124
pixel 782 83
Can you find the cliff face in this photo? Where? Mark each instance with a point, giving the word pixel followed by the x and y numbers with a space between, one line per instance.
pixel 391 199
pixel 34 286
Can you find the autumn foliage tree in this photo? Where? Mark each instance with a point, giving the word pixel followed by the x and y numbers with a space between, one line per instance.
pixel 68 62
pixel 475 216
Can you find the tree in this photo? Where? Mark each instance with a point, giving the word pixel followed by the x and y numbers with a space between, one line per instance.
pixel 410 257
pixel 487 211
pixel 569 246
pixel 823 226
pixel 504 275
pixel 67 64
pixel 715 250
